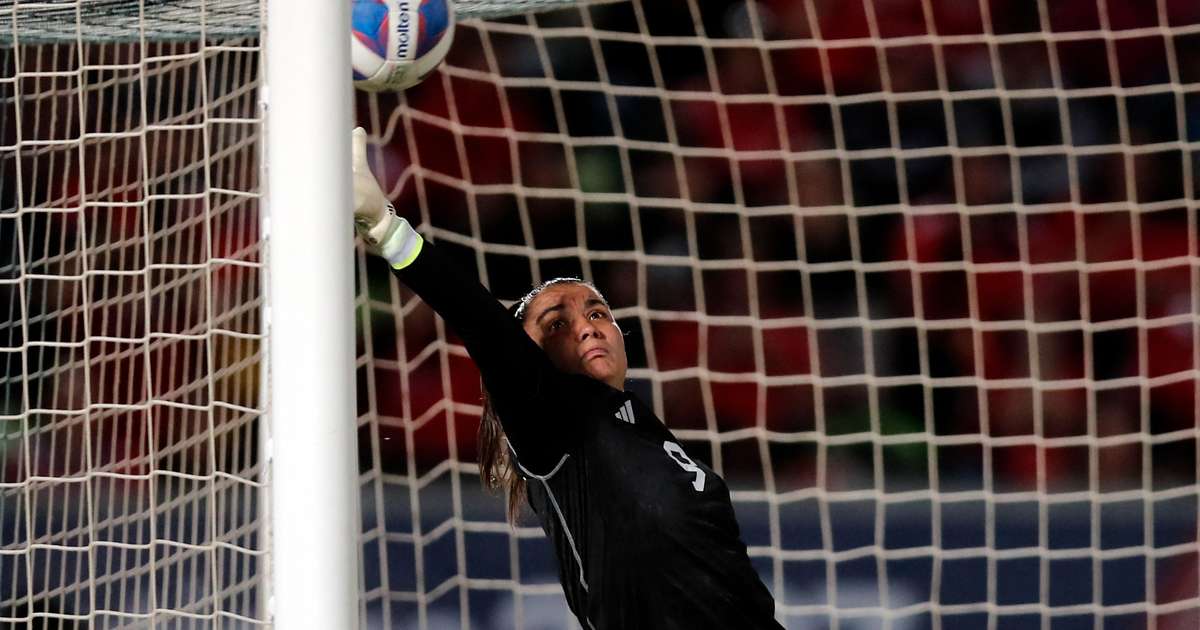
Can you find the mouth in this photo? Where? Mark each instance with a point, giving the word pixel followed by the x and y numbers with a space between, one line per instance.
pixel 593 353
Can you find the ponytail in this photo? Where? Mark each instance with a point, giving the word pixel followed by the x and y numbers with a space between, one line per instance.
pixel 497 468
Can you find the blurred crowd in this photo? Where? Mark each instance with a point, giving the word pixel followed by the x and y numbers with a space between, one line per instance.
pixel 993 202
pixel 815 218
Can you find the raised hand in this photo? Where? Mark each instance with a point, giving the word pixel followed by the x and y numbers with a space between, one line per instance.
pixel 375 218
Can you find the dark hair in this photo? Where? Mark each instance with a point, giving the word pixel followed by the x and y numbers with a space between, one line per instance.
pixel 497 466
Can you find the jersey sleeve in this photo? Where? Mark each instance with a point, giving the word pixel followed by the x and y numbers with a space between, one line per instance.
pixel 532 398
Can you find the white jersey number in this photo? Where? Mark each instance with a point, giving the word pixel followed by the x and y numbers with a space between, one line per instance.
pixel 686 463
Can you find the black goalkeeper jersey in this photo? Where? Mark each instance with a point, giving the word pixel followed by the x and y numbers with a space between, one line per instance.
pixel 645 536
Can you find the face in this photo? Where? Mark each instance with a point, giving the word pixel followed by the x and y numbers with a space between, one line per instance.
pixel 577 331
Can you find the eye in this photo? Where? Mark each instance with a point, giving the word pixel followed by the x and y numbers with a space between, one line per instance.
pixel 597 314
pixel 554 325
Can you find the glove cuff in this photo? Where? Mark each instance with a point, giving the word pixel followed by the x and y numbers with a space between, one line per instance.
pixel 398 242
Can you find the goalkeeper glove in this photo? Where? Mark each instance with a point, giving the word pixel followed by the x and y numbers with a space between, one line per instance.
pixel 375 218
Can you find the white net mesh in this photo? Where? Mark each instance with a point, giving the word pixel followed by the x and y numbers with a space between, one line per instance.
pixel 129 337
pixel 919 278
pixel 42 21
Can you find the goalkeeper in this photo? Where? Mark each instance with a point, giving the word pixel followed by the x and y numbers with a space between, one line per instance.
pixel 645 536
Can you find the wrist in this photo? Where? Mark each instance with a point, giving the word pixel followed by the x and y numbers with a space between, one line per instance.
pixel 398 242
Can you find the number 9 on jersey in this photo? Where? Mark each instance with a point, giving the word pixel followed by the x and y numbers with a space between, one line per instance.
pixel 686 463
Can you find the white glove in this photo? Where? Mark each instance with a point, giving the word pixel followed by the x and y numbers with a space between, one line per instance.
pixel 375 218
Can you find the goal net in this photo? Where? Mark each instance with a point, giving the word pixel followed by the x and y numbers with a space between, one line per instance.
pixel 130 280
pixel 917 277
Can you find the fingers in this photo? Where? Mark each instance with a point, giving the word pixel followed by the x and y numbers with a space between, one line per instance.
pixel 358 152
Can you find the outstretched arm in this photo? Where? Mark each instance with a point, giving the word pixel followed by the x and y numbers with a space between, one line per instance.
pixel 532 398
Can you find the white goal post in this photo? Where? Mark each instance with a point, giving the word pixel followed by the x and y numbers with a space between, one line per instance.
pixel 919 278
pixel 310 448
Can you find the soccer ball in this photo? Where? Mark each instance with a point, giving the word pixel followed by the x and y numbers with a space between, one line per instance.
pixel 395 44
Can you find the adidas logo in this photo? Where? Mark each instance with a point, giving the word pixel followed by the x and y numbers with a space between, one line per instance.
pixel 626 413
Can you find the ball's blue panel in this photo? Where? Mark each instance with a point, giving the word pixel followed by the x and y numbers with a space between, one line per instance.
pixel 369 23
pixel 435 19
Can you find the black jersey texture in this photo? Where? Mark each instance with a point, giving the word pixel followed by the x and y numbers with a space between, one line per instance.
pixel 644 535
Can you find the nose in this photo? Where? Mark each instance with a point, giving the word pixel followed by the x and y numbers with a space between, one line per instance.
pixel 584 328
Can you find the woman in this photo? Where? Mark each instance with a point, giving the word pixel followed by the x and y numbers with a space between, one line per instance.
pixel 645 536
